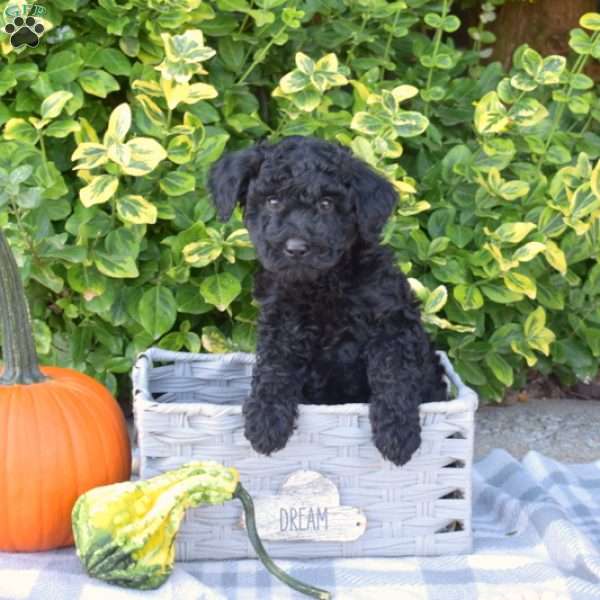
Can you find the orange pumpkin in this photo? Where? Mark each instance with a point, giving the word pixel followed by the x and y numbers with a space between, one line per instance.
pixel 61 432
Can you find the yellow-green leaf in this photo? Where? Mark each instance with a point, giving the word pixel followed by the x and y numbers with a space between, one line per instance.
pixel 436 300
pixel 513 233
pixel 152 112
pixel 180 149
pixel 527 112
pixel 590 21
pixel 468 296
pixel 490 114
pixel 404 92
pixel 498 293
pixel 505 265
pixel 419 290
pixel 199 91
pixel 98 82
pixel 535 322
pixel 61 128
pixel 152 88
pixel 366 123
pixel 135 209
pixel 555 257
pixel 583 202
pixel 214 341
pixel 445 324
pixel 118 267
pixel 520 347
pixel 90 155
pixel 307 99
pixel 293 82
pixel 200 254
pixel 538 336
pixel 173 92
pixel 528 252
pixel 220 289
pixel 119 124
pixel 87 133
pixel 54 103
pixel 408 123
pixel 595 180
pixel 305 63
pixel 329 63
pixel 517 282
pixel 145 154
pixel 511 190
pixel 101 189
pixel 552 68
pixel 177 183
pixel 239 238
pixel 324 80
pixel 21 131
pixel 532 62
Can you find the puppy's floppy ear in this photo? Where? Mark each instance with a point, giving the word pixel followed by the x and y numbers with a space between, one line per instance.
pixel 375 198
pixel 229 178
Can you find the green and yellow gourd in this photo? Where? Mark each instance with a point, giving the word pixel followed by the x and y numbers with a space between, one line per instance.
pixel 125 532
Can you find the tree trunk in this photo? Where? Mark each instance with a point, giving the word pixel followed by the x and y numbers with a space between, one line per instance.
pixel 544 25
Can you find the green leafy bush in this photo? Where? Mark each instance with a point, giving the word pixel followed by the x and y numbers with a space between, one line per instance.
pixel 111 123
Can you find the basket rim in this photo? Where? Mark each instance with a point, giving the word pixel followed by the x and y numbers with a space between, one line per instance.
pixel 465 401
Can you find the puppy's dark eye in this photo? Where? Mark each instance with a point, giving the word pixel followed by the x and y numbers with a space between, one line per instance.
pixel 325 205
pixel 274 203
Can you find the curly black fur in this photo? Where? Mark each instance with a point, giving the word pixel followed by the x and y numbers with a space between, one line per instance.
pixel 338 321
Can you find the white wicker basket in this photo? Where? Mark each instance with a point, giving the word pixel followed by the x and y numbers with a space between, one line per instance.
pixel 188 407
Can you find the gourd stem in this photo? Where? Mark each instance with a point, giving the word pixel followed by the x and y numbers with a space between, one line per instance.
pixel 242 495
pixel 20 359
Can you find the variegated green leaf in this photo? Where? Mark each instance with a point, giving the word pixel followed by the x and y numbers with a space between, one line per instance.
pixel 52 106
pixel 294 81
pixel 513 233
pixel 329 62
pixel 528 252
pixel 436 300
pixel 220 289
pixel 145 155
pixel 119 124
pixel 555 257
pixel 490 114
pixel 409 123
pixel 304 63
pixel 100 190
pixel 367 123
pixel 200 254
pixel 468 296
pixel 517 282
pixel 90 155
pixel 133 208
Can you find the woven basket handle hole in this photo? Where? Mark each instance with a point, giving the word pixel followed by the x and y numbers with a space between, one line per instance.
pixel 452 526
pixel 456 494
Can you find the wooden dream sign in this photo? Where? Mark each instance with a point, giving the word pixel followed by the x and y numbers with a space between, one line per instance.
pixel 307 509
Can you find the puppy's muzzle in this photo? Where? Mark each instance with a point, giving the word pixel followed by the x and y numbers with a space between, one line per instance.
pixel 295 248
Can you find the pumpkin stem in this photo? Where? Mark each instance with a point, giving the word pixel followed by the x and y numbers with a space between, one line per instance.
pixel 20 359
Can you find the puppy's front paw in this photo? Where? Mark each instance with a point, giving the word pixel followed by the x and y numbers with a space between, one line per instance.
pixel 398 441
pixel 268 426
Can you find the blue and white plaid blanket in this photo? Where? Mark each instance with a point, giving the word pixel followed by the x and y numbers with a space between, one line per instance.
pixel 537 537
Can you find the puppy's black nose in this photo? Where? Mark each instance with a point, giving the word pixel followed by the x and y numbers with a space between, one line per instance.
pixel 295 247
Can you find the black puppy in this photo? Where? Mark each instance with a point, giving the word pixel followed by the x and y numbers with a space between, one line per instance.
pixel 338 322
